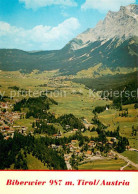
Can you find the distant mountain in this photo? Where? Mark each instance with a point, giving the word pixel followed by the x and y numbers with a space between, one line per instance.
pixel 121 25
pixel 113 43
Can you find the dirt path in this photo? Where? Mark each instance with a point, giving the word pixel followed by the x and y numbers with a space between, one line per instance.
pixel 122 168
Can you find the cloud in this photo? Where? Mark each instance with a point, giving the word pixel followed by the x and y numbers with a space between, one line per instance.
pixel 39 37
pixel 35 4
pixel 106 5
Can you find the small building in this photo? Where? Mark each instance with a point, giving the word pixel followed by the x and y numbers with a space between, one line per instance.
pixel 53 146
pixel 128 147
pixel 110 143
pixel 7 137
pixel 107 108
pixel 92 144
pixel 67 127
pixel 75 129
pixel 77 152
pixel 6 128
pixel 74 141
pixel 89 152
pixel 113 139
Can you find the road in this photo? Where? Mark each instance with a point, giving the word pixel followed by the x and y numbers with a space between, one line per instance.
pixel 93 158
pixel 122 168
pixel 69 167
pixel 126 159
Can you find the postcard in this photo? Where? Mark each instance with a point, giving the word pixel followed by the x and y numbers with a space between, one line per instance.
pixel 68 96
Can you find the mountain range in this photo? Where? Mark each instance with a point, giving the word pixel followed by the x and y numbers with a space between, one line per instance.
pixel 113 43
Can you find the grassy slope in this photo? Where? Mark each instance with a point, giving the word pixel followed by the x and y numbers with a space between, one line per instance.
pixel 35 164
pixel 25 123
pixel 32 163
pixel 103 165
pixel 132 155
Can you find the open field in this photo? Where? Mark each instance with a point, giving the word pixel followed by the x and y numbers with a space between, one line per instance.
pixel 103 165
pixel 70 100
pixel 90 134
pixel 25 123
pixel 130 167
pixel 131 155
pixel 112 119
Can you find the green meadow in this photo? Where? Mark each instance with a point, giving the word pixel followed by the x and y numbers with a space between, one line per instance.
pixel 110 164
pixel 73 98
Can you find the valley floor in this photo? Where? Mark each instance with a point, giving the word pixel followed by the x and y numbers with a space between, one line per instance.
pixel 72 98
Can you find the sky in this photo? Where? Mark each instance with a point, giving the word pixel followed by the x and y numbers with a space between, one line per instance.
pixel 50 24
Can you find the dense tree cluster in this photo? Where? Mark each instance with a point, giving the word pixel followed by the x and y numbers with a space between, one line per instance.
pixel 96 121
pixel 99 109
pixel 20 162
pixel 42 127
pixel 14 88
pixel 10 152
pixel 134 131
pixel 37 107
pixel 103 134
pixel 71 120
pixel 122 143
pixel 124 114
pixel 136 106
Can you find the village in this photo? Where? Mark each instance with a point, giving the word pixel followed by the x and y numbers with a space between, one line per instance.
pixel 7 128
pixel 7 119
pixel 74 152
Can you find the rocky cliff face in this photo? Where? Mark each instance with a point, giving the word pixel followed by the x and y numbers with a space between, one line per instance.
pixel 122 25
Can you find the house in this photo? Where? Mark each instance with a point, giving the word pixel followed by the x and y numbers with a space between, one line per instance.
pixel 67 159
pixel 23 130
pixel 7 137
pixel 82 130
pixel 17 127
pixel 89 144
pixel 59 133
pixel 72 148
pixel 74 141
pixel 107 108
pixel 89 152
pixel 113 139
pixel 128 147
pixel 111 155
pixel 53 146
pixel 75 129
pixel 49 123
pixel 110 143
pixel 77 152
pixel 92 144
pixel 6 128
pixel 67 127
pixel 100 143
pixel 55 135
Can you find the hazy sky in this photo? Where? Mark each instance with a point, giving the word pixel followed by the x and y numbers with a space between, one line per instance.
pixel 50 24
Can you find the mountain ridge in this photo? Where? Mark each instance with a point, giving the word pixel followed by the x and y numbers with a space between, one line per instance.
pixel 122 24
pixel 110 50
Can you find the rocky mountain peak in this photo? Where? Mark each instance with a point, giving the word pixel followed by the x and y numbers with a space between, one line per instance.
pixel 122 24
